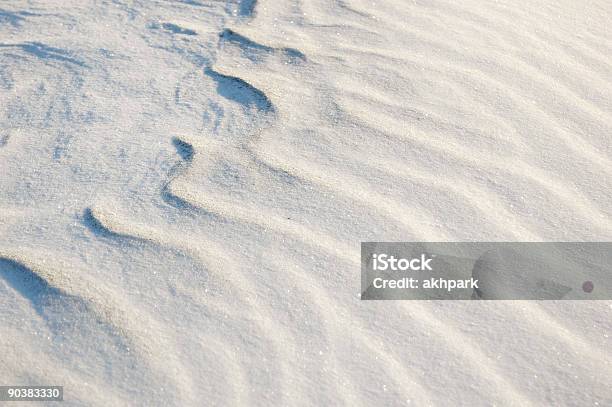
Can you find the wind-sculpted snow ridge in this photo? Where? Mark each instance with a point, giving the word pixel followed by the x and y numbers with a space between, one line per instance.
pixel 186 152
pixel 174 28
pixel 403 133
pixel 254 50
pixel 238 90
pixel 185 185
pixel 68 313
pixel 45 52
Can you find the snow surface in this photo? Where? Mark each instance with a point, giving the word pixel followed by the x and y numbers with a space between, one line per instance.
pixel 184 185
